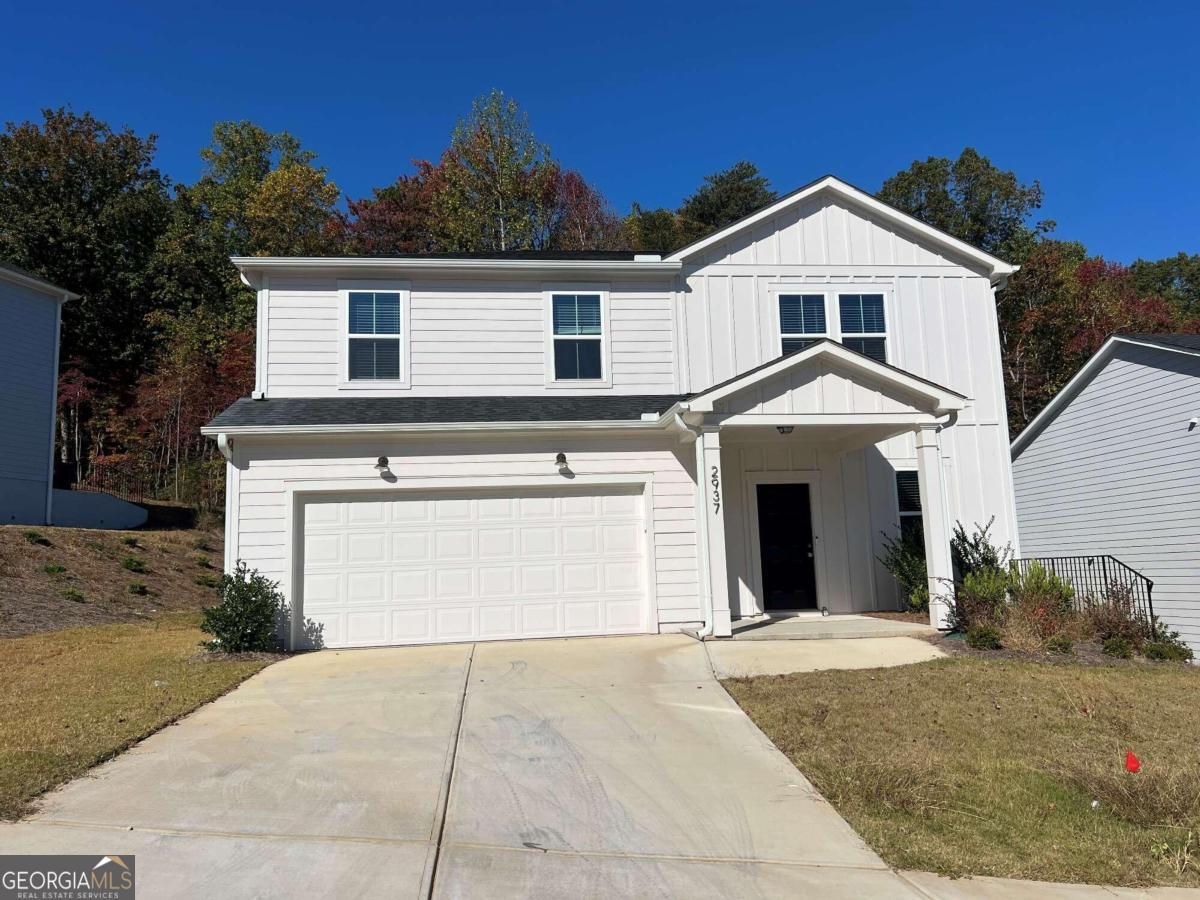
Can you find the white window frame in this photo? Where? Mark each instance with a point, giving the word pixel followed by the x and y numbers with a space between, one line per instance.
pixel 782 291
pixel 604 338
pixel 887 318
pixel 900 514
pixel 344 289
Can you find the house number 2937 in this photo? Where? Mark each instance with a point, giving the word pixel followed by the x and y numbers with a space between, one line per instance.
pixel 716 489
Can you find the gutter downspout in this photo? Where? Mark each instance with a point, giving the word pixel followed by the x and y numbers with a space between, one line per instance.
pixel 689 433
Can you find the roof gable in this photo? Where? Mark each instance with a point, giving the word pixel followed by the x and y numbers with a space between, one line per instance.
pixel 863 213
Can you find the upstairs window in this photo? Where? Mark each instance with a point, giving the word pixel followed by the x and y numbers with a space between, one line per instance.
pixel 578 337
pixel 862 324
pixel 801 320
pixel 908 494
pixel 374 336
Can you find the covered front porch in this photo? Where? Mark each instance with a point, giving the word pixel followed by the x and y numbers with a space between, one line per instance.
pixel 797 464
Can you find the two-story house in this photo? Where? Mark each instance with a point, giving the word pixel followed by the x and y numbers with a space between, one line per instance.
pixel 459 447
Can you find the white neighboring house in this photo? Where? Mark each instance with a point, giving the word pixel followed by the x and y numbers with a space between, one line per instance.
pixel 30 315
pixel 1112 466
pixel 460 447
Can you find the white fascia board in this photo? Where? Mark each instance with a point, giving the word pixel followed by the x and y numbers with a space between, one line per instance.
pixel 944 399
pixel 998 269
pixel 432 428
pixel 1060 400
pixel 52 291
pixel 252 264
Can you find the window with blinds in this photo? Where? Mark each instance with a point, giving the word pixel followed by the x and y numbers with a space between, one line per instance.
pixel 578 337
pixel 374 336
pixel 801 320
pixel 908 496
pixel 862 324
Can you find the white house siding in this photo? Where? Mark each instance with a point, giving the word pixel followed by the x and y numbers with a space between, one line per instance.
pixel 467 337
pixel 261 472
pixel 28 335
pixel 1118 472
pixel 941 323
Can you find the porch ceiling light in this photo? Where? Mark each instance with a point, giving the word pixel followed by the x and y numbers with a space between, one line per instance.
pixel 381 464
pixel 561 462
pixel 784 429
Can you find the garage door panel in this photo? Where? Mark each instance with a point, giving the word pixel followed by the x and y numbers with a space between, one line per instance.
pixel 455 567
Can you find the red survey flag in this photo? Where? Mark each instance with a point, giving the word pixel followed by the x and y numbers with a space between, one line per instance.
pixel 1132 763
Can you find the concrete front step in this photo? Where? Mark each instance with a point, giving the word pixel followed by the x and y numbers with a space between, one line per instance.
pixel 818 628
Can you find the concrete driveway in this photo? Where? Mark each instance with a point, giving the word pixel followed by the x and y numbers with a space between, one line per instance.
pixel 605 767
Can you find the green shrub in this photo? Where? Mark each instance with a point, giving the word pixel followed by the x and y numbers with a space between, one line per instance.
pixel 129 540
pixel 74 596
pixel 1168 646
pixel 905 560
pixel 246 619
pixel 1118 646
pixel 134 564
pixel 138 588
pixel 973 552
pixel 54 570
pixel 983 637
pixel 208 581
pixel 918 600
pixel 202 561
pixel 1042 603
pixel 1115 615
pixel 201 544
pixel 1059 643
pixel 980 599
pixel 36 537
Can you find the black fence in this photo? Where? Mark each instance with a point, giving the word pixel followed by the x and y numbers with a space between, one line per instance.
pixel 1099 579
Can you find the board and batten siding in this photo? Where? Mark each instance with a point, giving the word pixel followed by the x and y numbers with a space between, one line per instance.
pixel 28 336
pixel 261 471
pixel 1117 472
pixel 941 325
pixel 473 338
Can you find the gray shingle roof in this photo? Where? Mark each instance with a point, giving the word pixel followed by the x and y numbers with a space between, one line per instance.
pixel 1180 341
pixel 439 410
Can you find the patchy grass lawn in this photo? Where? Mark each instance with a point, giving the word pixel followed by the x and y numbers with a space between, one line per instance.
pixel 990 767
pixel 71 699
pixel 53 578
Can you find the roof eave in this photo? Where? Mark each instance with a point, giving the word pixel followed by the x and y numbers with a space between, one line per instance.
pixel 432 427
pixel 249 264
pixel 61 295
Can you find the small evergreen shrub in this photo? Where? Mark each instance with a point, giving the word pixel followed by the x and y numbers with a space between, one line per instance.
pixel 208 581
pixel 129 540
pixel 983 637
pixel 1168 646
pixel 74 596
pixel 202 561
pixel 36 537
pixel 54 570
pixel 973 552
pixel 1115 615
pixel 138 588
pixel 1042 603
pixel 1118 646
pixel 246 618
pixel 134 564
pixel 980 599
pixel 905 560
pixel 1059 643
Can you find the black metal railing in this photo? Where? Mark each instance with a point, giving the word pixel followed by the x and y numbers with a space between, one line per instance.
pixel 1099 579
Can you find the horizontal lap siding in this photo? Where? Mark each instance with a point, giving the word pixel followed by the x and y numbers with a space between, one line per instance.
pixel 27 326
pixel 1118 472
pixel 466 337
pixel 262 540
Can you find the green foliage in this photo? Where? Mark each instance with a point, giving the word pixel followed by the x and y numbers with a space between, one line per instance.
pixel 905 560
pixel 1118 646
pixel 1059 643
pixel 247 617
pixel 134 564
pixel 976 551
pixel 1168 645
pixel 983 637
pixel 36 537
pixel 723 198
pixel 202 561
pixel 54 570
pixel 209 581
pixel 138 588
pixel 1115 615
pixel 1176 279
pixel 74 596
pixel 129 540
pixel 980 599
pixel 973 200
pixel 1038 587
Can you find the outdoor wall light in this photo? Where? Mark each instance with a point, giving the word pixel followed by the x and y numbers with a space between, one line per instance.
pixel 561 462
pixel 784 429
pixel 381 464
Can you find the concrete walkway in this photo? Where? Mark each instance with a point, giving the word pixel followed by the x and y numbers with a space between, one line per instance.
pixel 745 659
pixel 585 768
pixel 806 627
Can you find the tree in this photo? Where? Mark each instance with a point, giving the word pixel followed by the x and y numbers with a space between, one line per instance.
pixel 725 197
pixel 497 193
pixel 397 219
pixel 1176 279
pixel 83 206
pixel 653 229
pixel 973 200
pixel 583 219
pixel 291 212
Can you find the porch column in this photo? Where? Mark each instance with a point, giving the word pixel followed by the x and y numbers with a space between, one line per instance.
pixel 712 536
pixel 936 520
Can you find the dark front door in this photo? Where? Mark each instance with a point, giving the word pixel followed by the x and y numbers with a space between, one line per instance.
pixel 786 540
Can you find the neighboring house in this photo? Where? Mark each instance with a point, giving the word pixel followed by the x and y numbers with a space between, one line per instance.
pixel 1112 466
pixel 461 447
pixel 30 314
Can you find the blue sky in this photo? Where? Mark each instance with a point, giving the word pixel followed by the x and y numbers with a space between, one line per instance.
pixel 1098 101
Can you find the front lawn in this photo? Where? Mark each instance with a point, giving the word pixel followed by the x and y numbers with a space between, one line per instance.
pixel 71 699
pixel 999 767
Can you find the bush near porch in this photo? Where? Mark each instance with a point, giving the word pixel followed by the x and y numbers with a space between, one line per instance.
pixel 991 766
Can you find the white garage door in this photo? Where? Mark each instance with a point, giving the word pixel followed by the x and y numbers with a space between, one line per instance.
pixel 427 568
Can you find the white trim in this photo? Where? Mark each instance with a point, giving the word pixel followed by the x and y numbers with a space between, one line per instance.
pixel 997 268
pixel 53 411
pixel 298 490
pixel 778 295
pixel 751 481
pixel 404 338
pixel 51 291
pixel 436 427
pixel 248 264
pixel 902 420
pixel 944 399
pixel 262 337
pixel 1051 410
pixel 604 338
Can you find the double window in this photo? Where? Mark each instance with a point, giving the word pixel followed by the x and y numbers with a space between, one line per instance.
pixel 861 323
pixel 374 336
pixel 578 337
